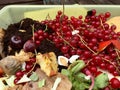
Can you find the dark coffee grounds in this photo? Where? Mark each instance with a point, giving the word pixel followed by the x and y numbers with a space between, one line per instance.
pixel 47 46
pixel 26 25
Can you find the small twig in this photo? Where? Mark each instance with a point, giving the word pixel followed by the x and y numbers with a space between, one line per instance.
pixel 88 62
pixel 46 28
pixel 48 17
pixel 35 50
pixel 111 63
pixel 63 2
pixel 21 23
pixel 65 41
pixel 102 24
pixel 63 11
pixel 50 41
pixel 85 43
pixel 117 52
pixel 33 31
pixel 93 82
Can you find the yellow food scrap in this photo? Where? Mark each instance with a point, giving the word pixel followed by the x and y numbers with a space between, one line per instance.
pixel 115 21
pixel 23 56
pixel 48 63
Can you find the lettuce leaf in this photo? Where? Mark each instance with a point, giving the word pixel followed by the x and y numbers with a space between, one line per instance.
pixel 101 80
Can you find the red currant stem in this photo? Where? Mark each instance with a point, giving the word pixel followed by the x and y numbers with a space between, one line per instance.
pixel 111 63
pixel 62 16
pixel 63 2
pixel 33 29
pixel 32 68
pixel 61 26
pixel 21 24
pixel 33 37
pixel 92 79
pixel 71 27
pixel 102 24
pixel 34 63
pixel 33 32
pixel 93 82
pixel 88 62
pixel 50 41
pixel 46 28
pixel 110 87
pixel 48 17
pixel 65 41
pixel 35 51
pixel 85 43
pixel 117 52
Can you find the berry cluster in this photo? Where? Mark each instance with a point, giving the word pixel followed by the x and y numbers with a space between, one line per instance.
pixel 33 43
pixel 29 65
pixel 91 30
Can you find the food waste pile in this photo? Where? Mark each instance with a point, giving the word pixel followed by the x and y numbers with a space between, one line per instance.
pixel 65 53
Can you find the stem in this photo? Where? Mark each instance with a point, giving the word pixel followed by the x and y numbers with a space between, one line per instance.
pixel 111 63
pixel 33 31
pixel 117 52
pixel 93 82
pixel 50 41
pixel 35 50
pixel 46 28
pixel 88 62
pixel 65 41
pixel 21 24
pixel 85 43
pixel 63 2
pixel 102 24
pixel 48 17
pixel 63 10
pixel 92 79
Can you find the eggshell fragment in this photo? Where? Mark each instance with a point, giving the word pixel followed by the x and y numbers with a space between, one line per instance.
pixel 62 61
pixel 75 32
pixel 24 79
pixel 73 58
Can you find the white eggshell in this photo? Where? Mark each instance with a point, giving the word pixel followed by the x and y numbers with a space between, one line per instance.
pixel 10 81
pixel 110 76
pixel 24 79
pixel 62 61
pixel 75 32
pixel 118 77
pixel 73 58
pixel 87 77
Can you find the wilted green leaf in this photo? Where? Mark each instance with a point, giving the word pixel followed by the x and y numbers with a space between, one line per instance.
pixel 101 80
pixel 65 72
pixel 34 76
pixel 76 66
pixel 41 83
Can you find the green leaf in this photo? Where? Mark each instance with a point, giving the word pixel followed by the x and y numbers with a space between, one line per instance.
pixel 80 77
pixel 41 83
pixel 76 66
pixel 34 76
pixel 65 72
pixel 80 86
pixel 102 80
